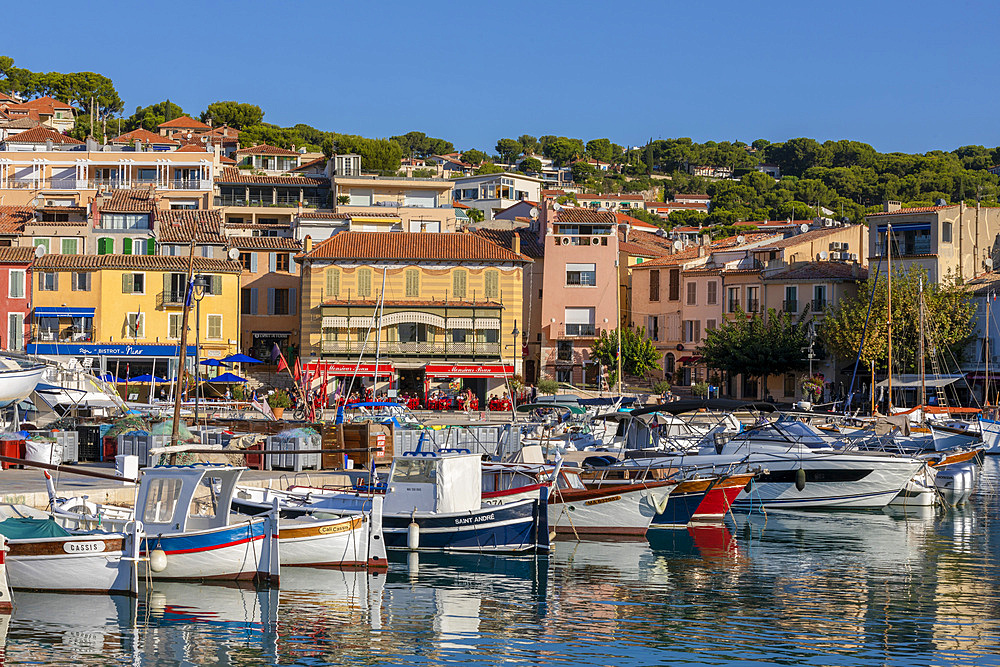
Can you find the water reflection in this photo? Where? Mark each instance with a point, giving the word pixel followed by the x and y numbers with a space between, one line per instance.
pixel 875 588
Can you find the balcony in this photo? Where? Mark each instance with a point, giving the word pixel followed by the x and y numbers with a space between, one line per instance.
pixel 790 305
pixel 307 202
pixel 753 306
pixel 474 350
pixel 574 331
pixel 734 305
pixel 818 305
pixel 170 299
pixel 67 335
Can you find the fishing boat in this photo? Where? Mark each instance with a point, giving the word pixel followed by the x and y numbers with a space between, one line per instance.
pixel 192 535
pixel 18 378
pixel 433 502
pixel 43 555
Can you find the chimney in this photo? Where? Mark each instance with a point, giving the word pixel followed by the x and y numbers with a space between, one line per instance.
pixel 307 244
pixel 48 145
pixel 92 146
pixel 515 242
pixel 701 250
pixel 137 145
pixel 891 206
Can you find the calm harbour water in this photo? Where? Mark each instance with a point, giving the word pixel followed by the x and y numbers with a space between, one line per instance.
pixel 891 588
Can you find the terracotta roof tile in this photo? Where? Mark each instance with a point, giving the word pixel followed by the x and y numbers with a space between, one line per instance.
pixel 443 246
pixel 24 123
pixel 610 197
pixel 309 164
pixel 264 243
pixel 904 211
pixel 144 136
pixel 13 218
pixel 16 255
pixel 144 262
pixel 530 247
pixel 266 149
pixel 233 175
pixel 806 237
pixel 140 200
pixel 39 135
pixel 45 105
pixel 185 123
pixel 316 215
pixel 181 226
pixel 193 148
pixel 624 219
pixel 586 215
pixel 428 303
pixel 821 271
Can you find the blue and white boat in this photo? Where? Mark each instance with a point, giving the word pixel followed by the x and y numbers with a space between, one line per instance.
pixel 433 502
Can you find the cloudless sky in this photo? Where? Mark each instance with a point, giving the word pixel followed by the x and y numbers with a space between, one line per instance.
pixel 909 75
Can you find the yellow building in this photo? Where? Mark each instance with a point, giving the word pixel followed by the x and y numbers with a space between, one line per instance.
pixel 123 313
pixel 446 315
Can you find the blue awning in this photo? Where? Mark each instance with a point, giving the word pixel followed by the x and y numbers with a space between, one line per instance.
pixel 51 311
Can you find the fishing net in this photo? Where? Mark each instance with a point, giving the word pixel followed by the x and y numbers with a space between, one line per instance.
pixel 127 424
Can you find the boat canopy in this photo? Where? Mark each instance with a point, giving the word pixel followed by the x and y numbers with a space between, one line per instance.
pixel 27 528
pixel 911 381
pixel 719 404
pixel 531 407
pixel 166 499
pixel 438 482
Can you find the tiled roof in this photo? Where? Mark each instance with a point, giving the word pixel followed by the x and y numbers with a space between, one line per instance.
pixel 426 246
pixel 45 104
pixel 24 123
pixel 314 215
pixel 226 160
pixel 904 211
pixel 143 262
pixel 611 197
pixel 822 271
pixel 233 175
pixel 180 226
pixel 265 149
pixel 194 148
pixel 39 135
pixel 624 219
pixel 984 284
pixel 806 237
pixel 144 136
pixel 309 164
pixel 691 252
pixel 669 260
pixel 504 237
pixel 586 215
pixel 16 255
pixel 641 243
pixel 185 123
pixel 730 242
pixel 372 214
pixel 130 201
pixel 690 196
pixel 264 243
pixel 13 218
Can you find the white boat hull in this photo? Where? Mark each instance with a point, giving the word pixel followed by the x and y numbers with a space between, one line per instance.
pixel 79 564
pixel 231 553
pixel 618 510
pixel 17 384
pixel 990 431
pixel 342 542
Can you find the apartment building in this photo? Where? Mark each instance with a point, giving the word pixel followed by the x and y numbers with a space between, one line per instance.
pixel 390 203
pixel 493 193
pixel 269 292
pixel 15 296
pixel 446 313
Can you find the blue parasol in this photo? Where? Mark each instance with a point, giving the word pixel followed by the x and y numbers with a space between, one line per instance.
pixel 241 359
pixel 227 377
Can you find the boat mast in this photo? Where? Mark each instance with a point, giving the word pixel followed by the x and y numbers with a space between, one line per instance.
pixel 183 356
pixel 986 345
pixel 923 374
pixel 618 315
pixel 378 331
pixel 888 254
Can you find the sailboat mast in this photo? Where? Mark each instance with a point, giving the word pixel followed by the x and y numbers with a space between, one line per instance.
pixel 986 345
pixel 923 374
pixel 378 331
pixel 888 254
pixel 181 367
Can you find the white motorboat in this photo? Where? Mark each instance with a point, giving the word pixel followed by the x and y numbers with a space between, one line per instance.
pixel 18 379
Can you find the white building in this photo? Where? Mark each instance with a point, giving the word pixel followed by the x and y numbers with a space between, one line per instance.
pixel 492 193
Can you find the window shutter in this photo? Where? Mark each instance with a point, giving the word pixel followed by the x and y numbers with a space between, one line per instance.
pixel 253 262
pixel 126 283
pixel 412 283
pixel 55 281
pixel 492 285
pixel 217 285
pixel 272 262
pixel 364 282
pixel 697 331
pixel 253 300
pixel 126 246
pixel 458 284
pixel 88 280
pixel 331 282
pixel 167 284
pixel 291 301
pixel 270 300
pixel 291 264
pixel 150 246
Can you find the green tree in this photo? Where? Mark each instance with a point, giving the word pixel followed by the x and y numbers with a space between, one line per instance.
pixel 529 144
pixel 530 165
pixel 562 150
pixel 600 149
pixel 474 156
pixel 639 354
pixel 488 167
pixel 234 114
pixel 757 346
pixel 508 150
pixel 583 171
pixel 475 215
pixel 418 144
pixel 948 321
pixel 152 116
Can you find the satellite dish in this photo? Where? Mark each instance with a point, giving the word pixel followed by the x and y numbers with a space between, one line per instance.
pixel 988 262
pixel 678 245
pixel 557 207
pixel 822 254
pixel 40 251
pixel 803 228
pixel 234 253
pixel 602 209
pixel 741 239
pixel 533 213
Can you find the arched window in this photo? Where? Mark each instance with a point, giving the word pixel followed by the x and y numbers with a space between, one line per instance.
pixel 668 363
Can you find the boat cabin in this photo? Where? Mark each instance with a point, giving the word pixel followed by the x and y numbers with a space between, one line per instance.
pixel 510 476
pixel 167 502
pixel 379 412
pixel 439 482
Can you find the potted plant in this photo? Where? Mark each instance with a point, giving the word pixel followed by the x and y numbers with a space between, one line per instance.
pixel 279 400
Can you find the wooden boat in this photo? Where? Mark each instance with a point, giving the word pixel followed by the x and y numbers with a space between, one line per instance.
pixel 43 556
pixel 721 495
pixel 336 541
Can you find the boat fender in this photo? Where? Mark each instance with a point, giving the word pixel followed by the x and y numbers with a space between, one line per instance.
pixel 800 479
pixel 157 560
pixel 660 505
pixel 413 536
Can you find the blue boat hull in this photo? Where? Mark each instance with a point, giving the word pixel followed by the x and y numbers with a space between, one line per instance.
pixel 679 510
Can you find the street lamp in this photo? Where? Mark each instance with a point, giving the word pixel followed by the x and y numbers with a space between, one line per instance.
pixel 200 286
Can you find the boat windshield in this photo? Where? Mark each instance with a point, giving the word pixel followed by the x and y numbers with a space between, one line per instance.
pixel 161 500
pixel 570 480
pixel 414 471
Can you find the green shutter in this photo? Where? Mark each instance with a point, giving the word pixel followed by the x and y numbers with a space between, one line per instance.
pixel 492 285
pixel 150 246
pixel 364 282
pixel 332 282
pixel 217 285
pixel 458 284
pixel 126 246
pixel 127 285
pixel 412 283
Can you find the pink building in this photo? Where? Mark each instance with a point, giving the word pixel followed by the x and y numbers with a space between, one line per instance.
pixel 578 297
pixel 15 295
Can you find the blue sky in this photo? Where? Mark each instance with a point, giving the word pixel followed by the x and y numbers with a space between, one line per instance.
pixel 903 76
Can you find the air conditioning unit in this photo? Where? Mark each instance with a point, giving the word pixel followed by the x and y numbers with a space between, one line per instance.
pixel 595 241
pixel 565 240
pixel 854 256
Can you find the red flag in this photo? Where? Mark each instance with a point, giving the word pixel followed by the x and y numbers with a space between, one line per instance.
pixel 282 364
pixel 298 370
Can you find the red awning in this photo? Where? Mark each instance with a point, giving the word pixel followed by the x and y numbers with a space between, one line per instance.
pixel 347 368
pixel 689 360
pixel 468 371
